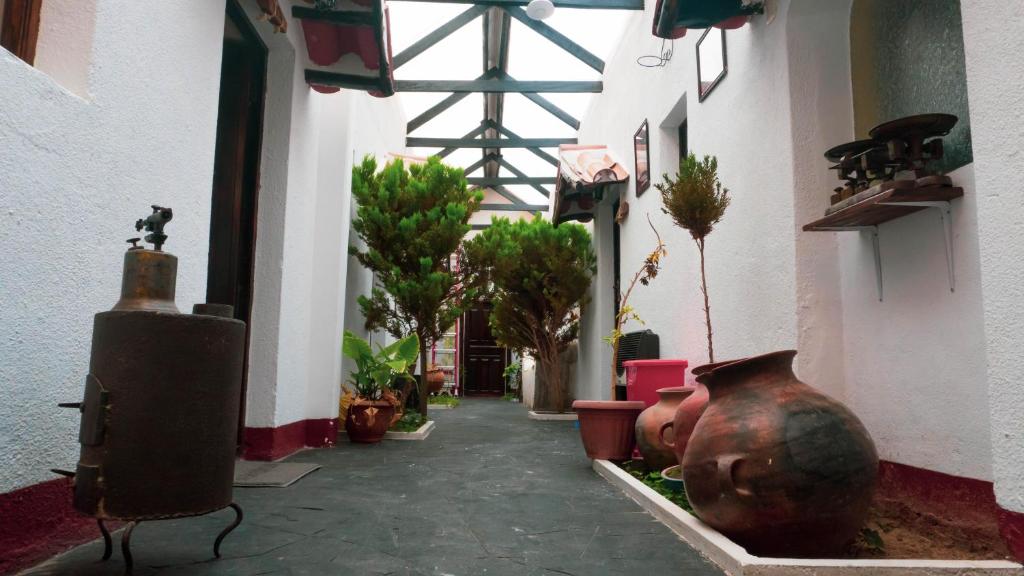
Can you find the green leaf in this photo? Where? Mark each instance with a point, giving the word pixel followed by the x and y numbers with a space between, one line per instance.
pixel 355 347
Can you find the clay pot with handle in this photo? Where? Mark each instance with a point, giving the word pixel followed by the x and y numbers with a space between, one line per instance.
pixel 775 465
pixel 657 454
pixel 675 434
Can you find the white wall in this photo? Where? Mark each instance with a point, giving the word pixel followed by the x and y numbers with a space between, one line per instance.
pixel 75 174
pixel 995 78
pixel 912 367
pixel 750 255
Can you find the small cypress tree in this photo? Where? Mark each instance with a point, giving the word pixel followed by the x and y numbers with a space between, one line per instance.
pixel 538 275
pixel 697 201
pixel 412 221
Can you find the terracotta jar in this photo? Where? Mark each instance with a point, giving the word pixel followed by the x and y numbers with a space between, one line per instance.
pixel 368 421
pixel 608 427
pixel 435 380
pixel 775 465
pixel 657 455
pixel 675 434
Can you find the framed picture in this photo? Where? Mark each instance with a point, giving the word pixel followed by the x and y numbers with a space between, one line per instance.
pixel 642 150
pixel 712 64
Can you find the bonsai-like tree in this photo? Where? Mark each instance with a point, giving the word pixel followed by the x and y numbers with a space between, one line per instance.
pixel 412 222
pixel 697 201
pixel 537 276
pixel 647 272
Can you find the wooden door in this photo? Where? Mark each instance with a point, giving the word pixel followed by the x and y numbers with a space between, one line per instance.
pixel 484 360
pixel 236 172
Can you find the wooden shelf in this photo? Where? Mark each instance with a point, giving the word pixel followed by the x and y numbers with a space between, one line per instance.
pixel 868 213
pixel 883 207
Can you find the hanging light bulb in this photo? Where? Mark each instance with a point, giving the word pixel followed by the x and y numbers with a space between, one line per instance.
pixel 540 9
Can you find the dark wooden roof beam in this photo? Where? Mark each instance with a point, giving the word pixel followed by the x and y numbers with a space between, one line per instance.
pixel 499 86
pixel 456 143
pixel 581 4
pixel 442 32
pixel 513 181
pixel 557 38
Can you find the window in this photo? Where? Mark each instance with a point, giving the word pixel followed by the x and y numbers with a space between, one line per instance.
pixel 19 27
pixel 684 146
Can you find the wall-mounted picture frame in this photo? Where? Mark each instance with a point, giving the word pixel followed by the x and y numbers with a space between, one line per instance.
pixel 642 152
pixel 712 63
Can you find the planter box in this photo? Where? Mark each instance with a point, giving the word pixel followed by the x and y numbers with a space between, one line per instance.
pixel 553 417
pixel 420 434
pixel 732 558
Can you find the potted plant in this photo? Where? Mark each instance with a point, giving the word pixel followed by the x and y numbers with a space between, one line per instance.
pixel 608 428
pixel 435 379
pixel 368 395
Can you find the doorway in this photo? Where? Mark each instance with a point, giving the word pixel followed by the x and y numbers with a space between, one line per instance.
pixel 485 359
pixel 236 173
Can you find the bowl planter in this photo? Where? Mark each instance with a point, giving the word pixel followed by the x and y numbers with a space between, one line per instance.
pixel 608 427
pixel 672 478
pixel 368 421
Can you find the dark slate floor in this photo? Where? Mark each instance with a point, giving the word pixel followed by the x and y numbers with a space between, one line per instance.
pixel 489 493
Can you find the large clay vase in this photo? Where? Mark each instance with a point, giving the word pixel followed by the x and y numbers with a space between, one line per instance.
pixel 368 421
pixel 675 434
pixel 778 467
pixel 608 427
pixel 657 455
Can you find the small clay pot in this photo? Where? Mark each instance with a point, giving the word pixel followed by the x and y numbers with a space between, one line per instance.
pixel 657 454
pixel 608 427
pixel 368 421
pixel 778 467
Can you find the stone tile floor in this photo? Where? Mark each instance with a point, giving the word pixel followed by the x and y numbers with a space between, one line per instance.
pixel 489 493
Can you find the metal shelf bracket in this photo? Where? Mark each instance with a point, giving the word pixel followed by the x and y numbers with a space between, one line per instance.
pixel 874 244
pixel 945 211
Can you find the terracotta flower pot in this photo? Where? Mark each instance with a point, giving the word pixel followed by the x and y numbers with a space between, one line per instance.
pixel 778 467
pixel 675 434
pixel 435 380
pixel 368 421
pixel 657 454
pixel 607 427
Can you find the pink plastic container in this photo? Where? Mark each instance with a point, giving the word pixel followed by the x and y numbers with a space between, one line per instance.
pixel 645 377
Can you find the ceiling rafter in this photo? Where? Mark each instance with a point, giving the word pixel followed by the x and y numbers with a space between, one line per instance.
pixel 443 105
pixel 557 38
pixel 515 207
pixel 442 32
pixel 499 85
pixel 471 142
pixel 581 4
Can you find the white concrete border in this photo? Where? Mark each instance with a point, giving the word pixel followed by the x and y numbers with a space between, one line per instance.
pixel 438 407
pixel 553 417
pixel 420 434
pixel 737 562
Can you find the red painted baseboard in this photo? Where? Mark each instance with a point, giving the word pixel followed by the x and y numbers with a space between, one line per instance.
pixel 276 443
pixel 1011 528
pixel 37 522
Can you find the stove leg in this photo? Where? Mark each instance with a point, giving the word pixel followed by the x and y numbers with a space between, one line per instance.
pixel 226 531
pixel 126 547
pixel 108 545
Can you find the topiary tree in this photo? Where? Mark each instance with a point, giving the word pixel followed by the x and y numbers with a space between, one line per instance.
pixel 696 201
pixel 412 221
pixel 538 276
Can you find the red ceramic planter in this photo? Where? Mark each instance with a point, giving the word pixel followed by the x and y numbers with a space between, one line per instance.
pixel 608 427
pixel 368 422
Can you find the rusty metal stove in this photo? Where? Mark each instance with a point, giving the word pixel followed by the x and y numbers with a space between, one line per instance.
pixel 162 396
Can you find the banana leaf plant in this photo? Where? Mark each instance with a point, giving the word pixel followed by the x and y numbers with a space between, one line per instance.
pixel 374 373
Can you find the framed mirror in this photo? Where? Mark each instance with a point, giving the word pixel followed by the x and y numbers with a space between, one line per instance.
pixel 711 61
pixel 642 152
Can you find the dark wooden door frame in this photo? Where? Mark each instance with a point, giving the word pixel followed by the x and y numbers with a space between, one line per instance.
pixel 19 32
pixel 236 180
